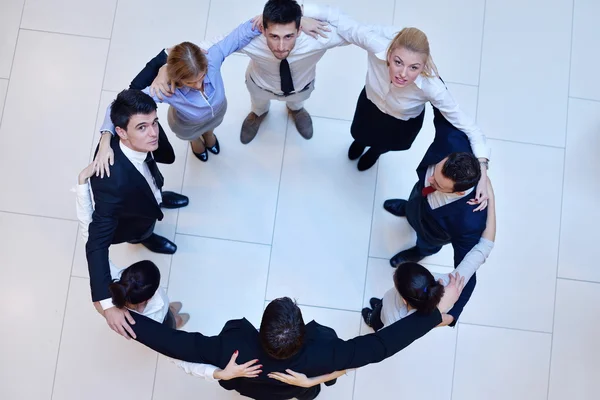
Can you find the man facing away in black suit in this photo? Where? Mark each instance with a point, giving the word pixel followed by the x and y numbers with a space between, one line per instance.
pixel 285 342
pixel 128 201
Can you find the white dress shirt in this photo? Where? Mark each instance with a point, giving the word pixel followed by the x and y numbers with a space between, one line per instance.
pixel 402 103
pixel 138 159
pixel 157 306
pixel 394 309
pixel 438 199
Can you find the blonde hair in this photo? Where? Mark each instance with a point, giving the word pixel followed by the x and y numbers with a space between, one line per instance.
pixel 414 40
pixel 185 62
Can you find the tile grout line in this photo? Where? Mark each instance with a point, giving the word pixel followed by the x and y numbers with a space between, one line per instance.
pixel 68 34
pixel 218 238
pixel 562 198
pixel 506 328
pixel 62 326
pixel 454 363
pixel 577 280
pixel 38 216
pixel 207 18
pixel 276 207
pixel 527 143
pixel 480 58
pixel 583 98
pixel 112 28
pixel 12 64
pixel 367 258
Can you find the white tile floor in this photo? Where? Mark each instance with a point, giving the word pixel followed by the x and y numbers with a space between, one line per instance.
pixel 284 216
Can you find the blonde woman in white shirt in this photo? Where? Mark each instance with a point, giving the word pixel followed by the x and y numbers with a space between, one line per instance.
pixel 137 289
pixel 401 79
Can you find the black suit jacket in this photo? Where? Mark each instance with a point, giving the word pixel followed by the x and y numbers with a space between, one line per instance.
pixel 322 352
pixel 125 210
pixel 458 219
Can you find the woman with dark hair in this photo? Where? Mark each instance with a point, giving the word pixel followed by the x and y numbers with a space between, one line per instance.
pixel 137 288
pixel 417 289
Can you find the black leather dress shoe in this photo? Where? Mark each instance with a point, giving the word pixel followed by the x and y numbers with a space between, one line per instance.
pixel 356 149
pixel 413 254
pixel 395 207
pixel 174 200
pixel 374 302
pixel 216 148
pixel 368 159
pixel 366 314
pixel 159 244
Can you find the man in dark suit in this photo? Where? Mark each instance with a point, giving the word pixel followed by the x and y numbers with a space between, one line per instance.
pixel 128 201
pixel 284 341
pixel 440 207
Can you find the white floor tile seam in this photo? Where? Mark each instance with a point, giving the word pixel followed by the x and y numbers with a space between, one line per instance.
pixel 576 280
pixel 16 44
pixel 480 59
pixel 65 33
pixel 454 361
pixel 525 143
pixel 276 207
pixel 562 197
pixel 371 229
pixel 584 99
pixel 62 326
pixel 207 18
pixel 104 75
pixel 505 328
pixel 220 238
pixel 40 215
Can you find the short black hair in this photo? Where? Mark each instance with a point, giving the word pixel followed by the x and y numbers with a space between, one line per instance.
pixel 282 329
pixel 128 103
pixel 463 169
pixel 281 12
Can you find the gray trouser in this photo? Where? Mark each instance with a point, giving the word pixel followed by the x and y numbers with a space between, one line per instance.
pixel 261 98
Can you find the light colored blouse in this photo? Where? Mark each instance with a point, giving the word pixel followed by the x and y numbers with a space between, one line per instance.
pixel 158 305
pixel 192 106
pixel 401 103
pixel 394 309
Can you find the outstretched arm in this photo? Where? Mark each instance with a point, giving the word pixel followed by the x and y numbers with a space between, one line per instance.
pixel 298 379
pixel 234 41
pixel 373 38
pixel 191 347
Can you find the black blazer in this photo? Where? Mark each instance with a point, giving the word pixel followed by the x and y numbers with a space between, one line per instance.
pixel 322 352
pixel 457 219
pixel 125 210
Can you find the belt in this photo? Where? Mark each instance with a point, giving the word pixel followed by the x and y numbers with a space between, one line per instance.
pixel 283 94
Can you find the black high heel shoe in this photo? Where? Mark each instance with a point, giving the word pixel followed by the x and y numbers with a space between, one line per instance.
pixel 200 156
pixel 216 148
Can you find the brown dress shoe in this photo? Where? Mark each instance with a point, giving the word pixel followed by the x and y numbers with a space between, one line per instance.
pixel 250 127
pixel 303 123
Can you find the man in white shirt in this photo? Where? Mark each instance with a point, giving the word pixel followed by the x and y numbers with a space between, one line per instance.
pixel 282 66
pixel 128 201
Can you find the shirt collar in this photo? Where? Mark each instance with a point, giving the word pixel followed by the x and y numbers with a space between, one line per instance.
pixel 133 155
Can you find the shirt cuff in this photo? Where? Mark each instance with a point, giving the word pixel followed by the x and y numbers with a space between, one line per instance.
pixel 106 303
pixel 482 151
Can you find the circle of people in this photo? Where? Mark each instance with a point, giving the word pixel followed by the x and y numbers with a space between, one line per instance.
pixel 452 201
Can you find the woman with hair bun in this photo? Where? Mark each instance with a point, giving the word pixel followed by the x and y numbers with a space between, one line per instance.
pixel 417 289
pixel 137 288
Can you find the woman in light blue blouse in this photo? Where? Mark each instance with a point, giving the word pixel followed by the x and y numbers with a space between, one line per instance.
pixel 197 103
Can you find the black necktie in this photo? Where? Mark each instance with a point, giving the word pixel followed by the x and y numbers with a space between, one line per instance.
pixel 158 178
pixel 287 84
